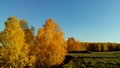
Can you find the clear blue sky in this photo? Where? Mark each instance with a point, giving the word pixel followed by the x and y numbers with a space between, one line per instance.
pixel 86 20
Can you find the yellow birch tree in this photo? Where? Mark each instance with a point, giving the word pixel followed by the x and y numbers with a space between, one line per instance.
pixel 13 42
pixel 73 45
pixel 50 45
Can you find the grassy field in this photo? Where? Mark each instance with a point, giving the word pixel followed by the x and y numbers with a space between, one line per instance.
pixel 93 60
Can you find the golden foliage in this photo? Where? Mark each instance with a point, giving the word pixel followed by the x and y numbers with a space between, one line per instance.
pixel 13 42
pixel 104 47
pixel 83 46
pixel 50 45
pixel 73 45
pixel 94 47
pixel 1 34
pixel 13 34
pixel 29 36
pixel 113 46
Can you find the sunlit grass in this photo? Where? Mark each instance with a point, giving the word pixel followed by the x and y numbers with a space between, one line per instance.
pixel 94 60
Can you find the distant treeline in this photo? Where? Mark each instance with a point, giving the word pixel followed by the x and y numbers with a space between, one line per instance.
pixel 74 45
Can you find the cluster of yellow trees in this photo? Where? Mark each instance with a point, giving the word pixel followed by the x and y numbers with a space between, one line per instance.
pixel 20 48
pixel 74 45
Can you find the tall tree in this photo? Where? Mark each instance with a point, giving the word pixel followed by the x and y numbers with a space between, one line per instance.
pixel 13 42
pixel 29 40
pixel 50 47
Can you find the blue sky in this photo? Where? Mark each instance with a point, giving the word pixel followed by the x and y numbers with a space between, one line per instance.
pixel 85 20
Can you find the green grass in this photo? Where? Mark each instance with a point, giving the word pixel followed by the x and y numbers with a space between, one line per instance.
pixel 94 60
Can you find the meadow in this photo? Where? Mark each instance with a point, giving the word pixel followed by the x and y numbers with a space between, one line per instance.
pixel 93 60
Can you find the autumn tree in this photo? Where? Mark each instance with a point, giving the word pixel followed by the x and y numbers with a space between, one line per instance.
pixel 111 46
pixel 94 47
pixel 118 47
pixel 73 45
pixel 98 47
pixel 29 40
pixel 83 46
pixel 104 47
pixel 29 32
pixel 12 44
pixel 50 45
pixel 1 37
